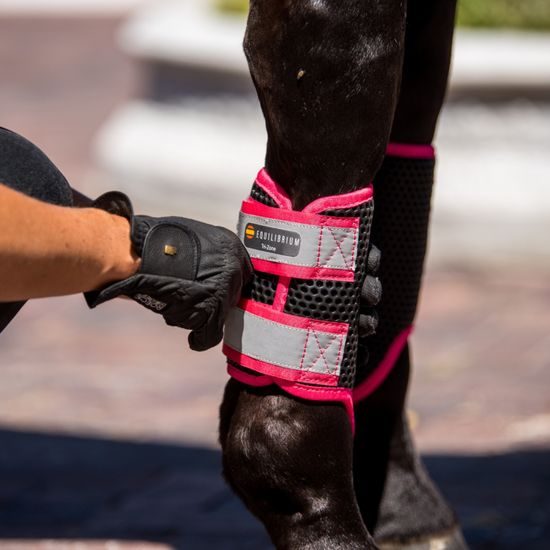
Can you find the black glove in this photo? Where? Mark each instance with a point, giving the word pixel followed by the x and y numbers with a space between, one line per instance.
pixel 191 273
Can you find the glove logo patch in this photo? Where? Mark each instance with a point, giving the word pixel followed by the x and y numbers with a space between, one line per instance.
pixel 269 239
pixel 149 302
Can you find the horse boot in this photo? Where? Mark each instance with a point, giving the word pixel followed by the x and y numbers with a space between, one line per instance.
pixel 398 501
pixel 299 323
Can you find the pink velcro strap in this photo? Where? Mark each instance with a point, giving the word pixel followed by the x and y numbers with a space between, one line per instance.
pixel 302 244
pixel 322 204
pixel 383 370
pixel 410 151
pixel 297 244
pixel 288 347
pixel 302 391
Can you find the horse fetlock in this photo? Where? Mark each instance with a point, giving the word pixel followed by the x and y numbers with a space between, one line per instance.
pixel 290 462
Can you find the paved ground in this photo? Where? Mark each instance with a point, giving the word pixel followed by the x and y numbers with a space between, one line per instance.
pixel 108 422
pixel 60 79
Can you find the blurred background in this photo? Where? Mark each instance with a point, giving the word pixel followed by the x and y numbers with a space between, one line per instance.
pixel 108 422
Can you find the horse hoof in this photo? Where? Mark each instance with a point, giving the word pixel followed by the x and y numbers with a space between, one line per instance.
pixel 449 541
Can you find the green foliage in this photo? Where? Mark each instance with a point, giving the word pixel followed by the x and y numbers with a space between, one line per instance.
pixel 233 6
pixel 519 14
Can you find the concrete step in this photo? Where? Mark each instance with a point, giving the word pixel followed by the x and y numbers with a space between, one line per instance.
pixel 188 34
pixel 198 158
pixel 195 142
pixel 492 199
pixel 185 46
pixel 501 64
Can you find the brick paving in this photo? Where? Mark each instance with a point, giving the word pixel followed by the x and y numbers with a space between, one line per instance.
pixel 60 78
pixel 108 421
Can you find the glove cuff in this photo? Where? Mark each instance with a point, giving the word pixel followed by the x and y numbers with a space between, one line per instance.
pixel 166 246
pixel 119 204
pixel 116 203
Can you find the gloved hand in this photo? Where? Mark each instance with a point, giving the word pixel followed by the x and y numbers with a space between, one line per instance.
pixel 191 273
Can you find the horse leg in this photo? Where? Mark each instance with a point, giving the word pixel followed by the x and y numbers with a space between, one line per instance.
pixel 327 74
pixel 398 501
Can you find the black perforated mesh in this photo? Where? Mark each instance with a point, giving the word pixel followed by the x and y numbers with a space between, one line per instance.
pixel 324 300
pixel 403 190
pixel 258 194
pixel 263 286
pixel 334 300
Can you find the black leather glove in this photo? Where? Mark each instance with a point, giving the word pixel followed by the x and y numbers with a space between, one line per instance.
pixel 191 273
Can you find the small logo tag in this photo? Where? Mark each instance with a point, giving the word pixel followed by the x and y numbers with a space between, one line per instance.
pixel 149 302
pixel 268 239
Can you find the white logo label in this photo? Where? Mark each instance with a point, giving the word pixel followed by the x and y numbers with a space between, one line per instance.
pixel 150 302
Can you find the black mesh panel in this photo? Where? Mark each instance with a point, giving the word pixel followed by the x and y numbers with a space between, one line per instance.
pixel 263 286
pixel 258 194
pixel 403 190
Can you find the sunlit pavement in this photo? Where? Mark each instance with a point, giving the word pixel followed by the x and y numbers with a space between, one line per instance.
pixel 108 421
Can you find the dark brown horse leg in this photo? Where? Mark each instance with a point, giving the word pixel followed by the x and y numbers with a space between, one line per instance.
pixel 398 501
pixel 327 74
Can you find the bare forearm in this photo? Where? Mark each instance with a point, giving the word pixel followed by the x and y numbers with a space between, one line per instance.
pixel 48 250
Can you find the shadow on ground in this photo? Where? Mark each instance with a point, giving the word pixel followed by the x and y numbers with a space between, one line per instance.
pixel 65 487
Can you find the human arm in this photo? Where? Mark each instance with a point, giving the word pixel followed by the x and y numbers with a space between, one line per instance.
pixel 49 250
pixel 190 272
